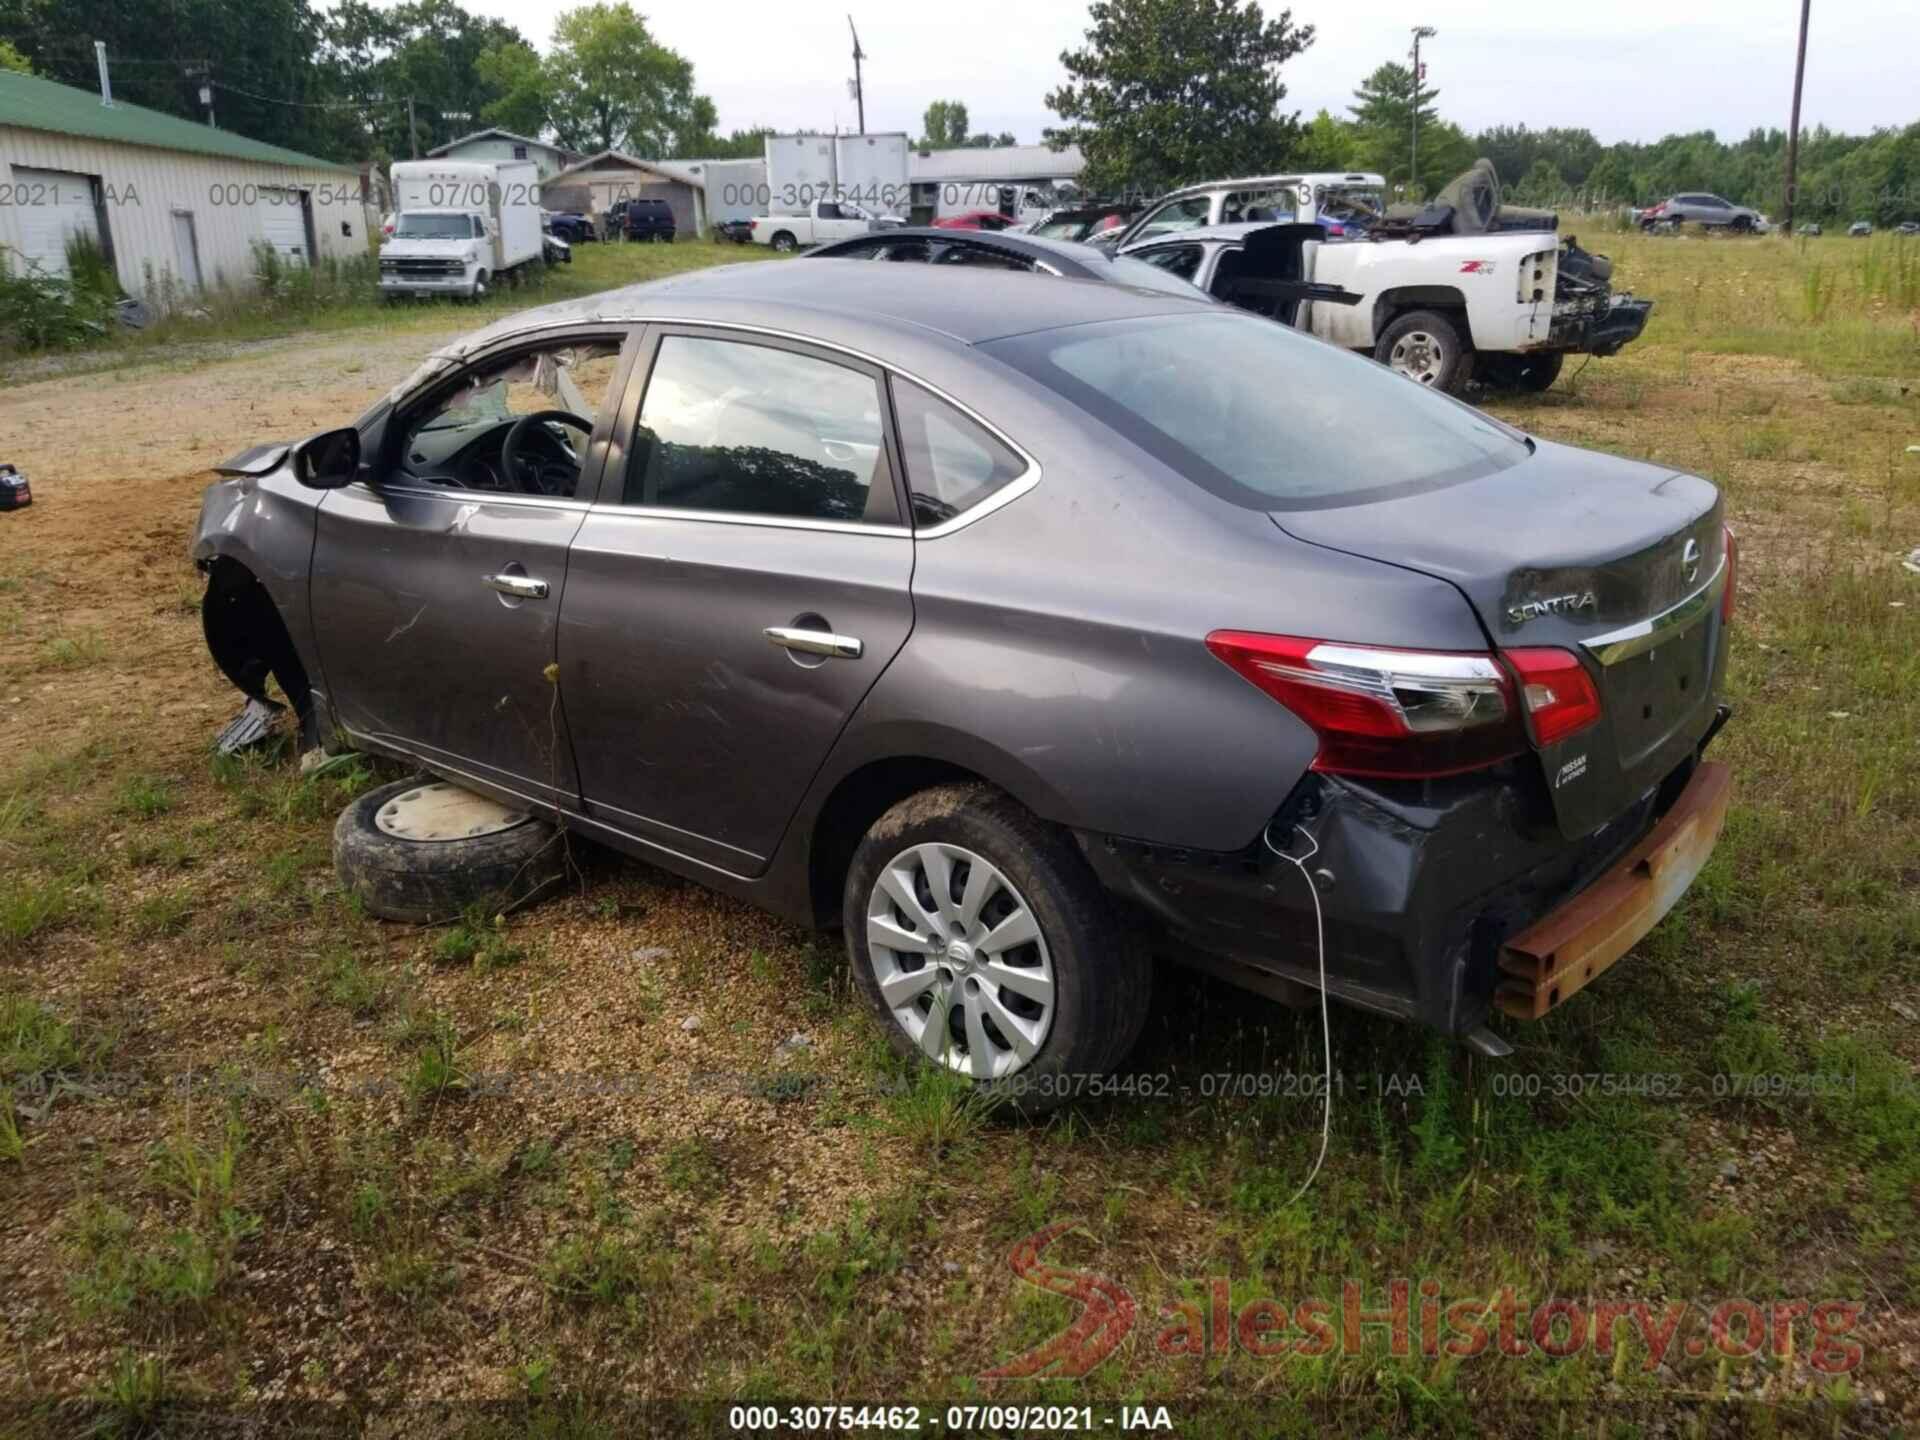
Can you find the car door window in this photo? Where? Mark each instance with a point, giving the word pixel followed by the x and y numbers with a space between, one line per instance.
pixel 1181 260
pixel 952 462
pixel 1175 215
pixel 829 211
pixel 459 438
pixel 1264 204
pixel 734 427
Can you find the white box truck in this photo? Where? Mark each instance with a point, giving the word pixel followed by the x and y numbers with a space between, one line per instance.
pixel 460 226
pixel 871 171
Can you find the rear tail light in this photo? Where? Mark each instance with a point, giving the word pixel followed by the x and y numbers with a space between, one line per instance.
pixel 1557 692
pixel 1726 595
pixel 1415 714
pixel 1407 714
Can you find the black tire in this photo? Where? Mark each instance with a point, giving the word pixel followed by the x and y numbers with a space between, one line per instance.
pixel 1101 971
pixel 1449 360
pixel 1531 374
pixel 785 243
pixel 481 287
pixel 1741 224
pixel 428 882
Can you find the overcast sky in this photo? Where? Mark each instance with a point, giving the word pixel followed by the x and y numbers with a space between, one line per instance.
pixel 1625 69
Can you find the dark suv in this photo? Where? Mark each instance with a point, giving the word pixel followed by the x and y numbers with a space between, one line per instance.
pixel 644 219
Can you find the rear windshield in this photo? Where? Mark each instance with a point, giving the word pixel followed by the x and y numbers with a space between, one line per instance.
pixel 1262 415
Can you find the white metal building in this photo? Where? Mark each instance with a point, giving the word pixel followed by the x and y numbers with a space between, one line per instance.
pixel 497 144
pixel 174 205
pixel 735 189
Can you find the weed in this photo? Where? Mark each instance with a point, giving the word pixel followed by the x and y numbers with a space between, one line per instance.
pixel 692 1166
pixel 145 797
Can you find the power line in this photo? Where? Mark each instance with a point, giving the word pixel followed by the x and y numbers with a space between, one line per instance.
pixel 308 104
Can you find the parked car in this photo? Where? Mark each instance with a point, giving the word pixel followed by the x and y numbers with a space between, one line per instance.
pixel 739 232
pixel 1810 228
pixel 990 220
pixel 571 226
pixel 1699 208
pixel 824 222
pixel 1257 197
pixel 1082 224
pixel 1003 251
pixel 1907 227
pixel 1860 228
pixel 857 625
pixel 642 218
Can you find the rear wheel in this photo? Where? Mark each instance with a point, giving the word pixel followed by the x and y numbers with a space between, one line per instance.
pixel 984 944
pixel 784 242
pixel 1426 347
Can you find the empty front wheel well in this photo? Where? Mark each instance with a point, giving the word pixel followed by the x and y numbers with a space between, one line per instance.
pixel 856 802
pixel 246 636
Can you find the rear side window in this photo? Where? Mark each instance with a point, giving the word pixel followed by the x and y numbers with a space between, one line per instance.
pixel 952 463
pixel 1181 260
pixel 737 428
pixel 1260 414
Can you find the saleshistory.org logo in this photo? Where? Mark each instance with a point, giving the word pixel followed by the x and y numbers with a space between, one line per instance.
pixel 1414 1315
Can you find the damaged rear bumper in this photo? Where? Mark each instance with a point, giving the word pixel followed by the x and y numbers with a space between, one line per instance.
pixel 1563 951
pixel 1442 900
pixel 1601 331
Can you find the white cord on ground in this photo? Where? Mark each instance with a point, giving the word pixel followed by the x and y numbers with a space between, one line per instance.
pixel 1326 1029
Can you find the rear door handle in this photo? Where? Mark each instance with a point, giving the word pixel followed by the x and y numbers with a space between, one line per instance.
pixel 524 587
pixel 816 642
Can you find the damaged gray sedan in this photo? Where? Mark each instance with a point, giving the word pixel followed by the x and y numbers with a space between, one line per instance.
pixel 1024 628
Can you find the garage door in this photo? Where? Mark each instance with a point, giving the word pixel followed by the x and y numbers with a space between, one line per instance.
pixel 283 223
pixel 52 205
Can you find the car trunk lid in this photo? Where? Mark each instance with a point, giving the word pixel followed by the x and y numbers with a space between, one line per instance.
pixel 1618 561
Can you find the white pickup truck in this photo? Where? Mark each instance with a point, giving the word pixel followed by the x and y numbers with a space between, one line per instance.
pixel 460 226
pixel 825 221
pixel 1463 289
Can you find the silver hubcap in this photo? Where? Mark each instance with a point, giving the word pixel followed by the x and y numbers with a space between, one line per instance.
pixel 1419 355
pixel 439 811
pixel 960 960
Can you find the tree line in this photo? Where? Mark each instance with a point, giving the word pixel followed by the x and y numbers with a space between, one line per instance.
pixel 337 83
pixel 1161 93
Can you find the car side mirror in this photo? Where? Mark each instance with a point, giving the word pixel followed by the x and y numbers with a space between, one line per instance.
pixel 328 460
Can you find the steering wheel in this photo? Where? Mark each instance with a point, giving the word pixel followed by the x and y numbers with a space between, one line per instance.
pixel 541 477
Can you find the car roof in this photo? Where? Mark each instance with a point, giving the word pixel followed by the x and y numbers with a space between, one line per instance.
pixel 1065 253
pixel 856 303
pixel 1235 233
pixel 1295 177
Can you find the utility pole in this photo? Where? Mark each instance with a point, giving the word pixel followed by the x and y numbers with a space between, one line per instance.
pixel 1793 133
pixel 1420 32
pixel 859 91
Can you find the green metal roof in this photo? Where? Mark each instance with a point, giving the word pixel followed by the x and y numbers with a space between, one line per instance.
pixel 31 103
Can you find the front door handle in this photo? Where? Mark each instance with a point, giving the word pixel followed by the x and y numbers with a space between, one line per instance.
pixel 816 642
pixel 522 587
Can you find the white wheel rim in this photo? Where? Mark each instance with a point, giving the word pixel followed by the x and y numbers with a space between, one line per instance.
pixel 960 961
pixel 1419 355
pixel 438 811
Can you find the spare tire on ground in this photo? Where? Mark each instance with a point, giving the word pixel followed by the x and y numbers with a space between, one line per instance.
pixel 425 851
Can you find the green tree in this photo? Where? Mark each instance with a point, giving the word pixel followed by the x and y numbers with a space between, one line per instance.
pixel 944 126
pixel 1383 110
pixel 1327 144
pixel 12 59
pixel 984 141
pixel 1169 91
pixel 513 72
pixel 612 86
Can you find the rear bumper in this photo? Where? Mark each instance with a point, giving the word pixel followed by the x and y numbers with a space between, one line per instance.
pixel 1601 332
pixel 1442 900
pixel 1563 951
